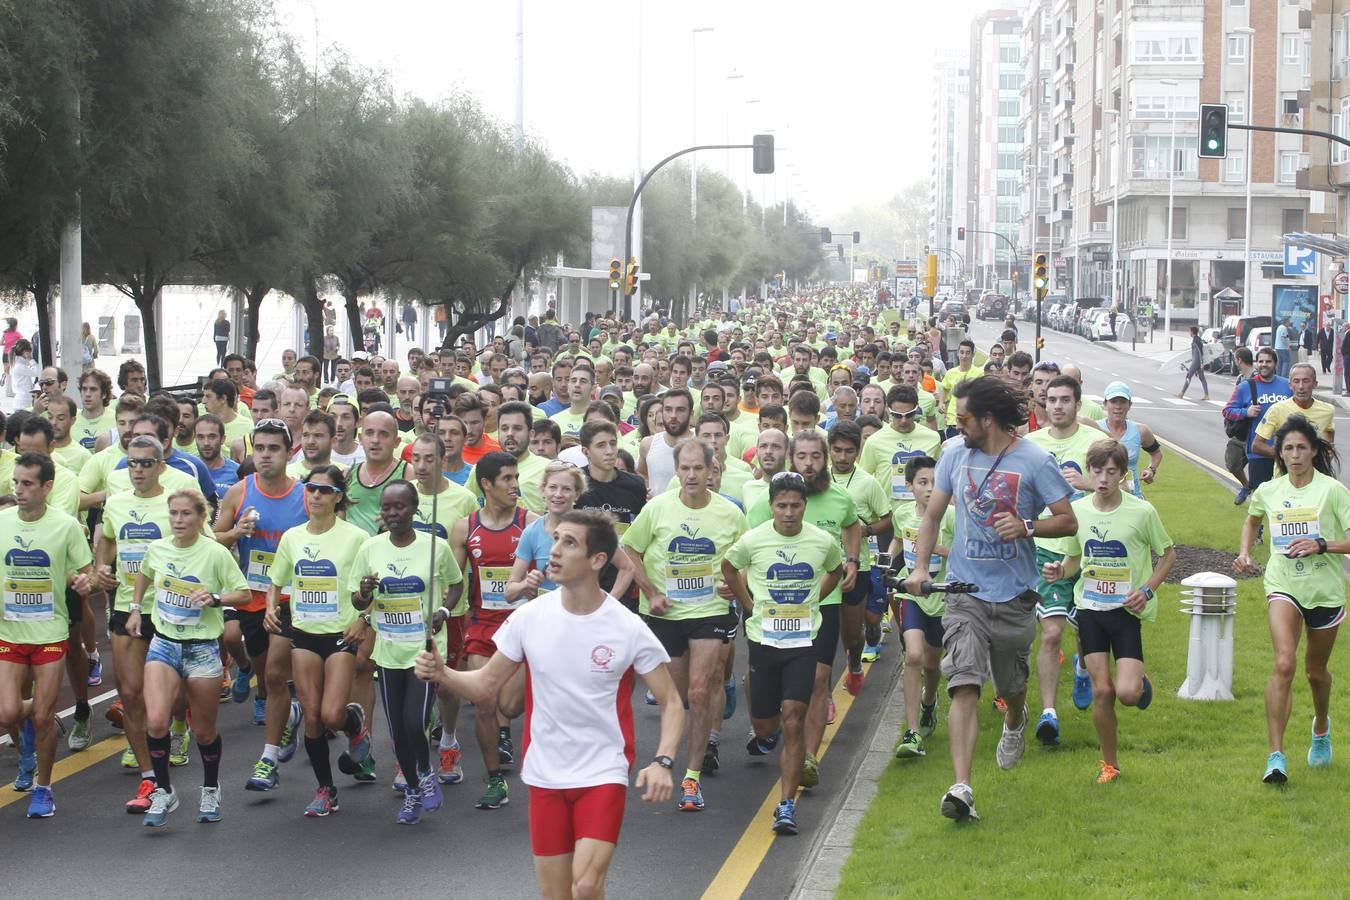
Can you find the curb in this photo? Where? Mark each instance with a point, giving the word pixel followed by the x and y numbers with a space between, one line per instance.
pixel 824 864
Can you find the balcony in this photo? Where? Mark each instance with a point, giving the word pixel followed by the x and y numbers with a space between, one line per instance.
pixel 1064 72
pixel 1062 179
pixel 1063 37
pixel 1061 143
pixel 1064 107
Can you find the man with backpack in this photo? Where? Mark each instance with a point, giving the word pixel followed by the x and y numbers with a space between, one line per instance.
pixel 1251 398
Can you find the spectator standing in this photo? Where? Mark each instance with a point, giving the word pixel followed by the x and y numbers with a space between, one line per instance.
pixel 220 334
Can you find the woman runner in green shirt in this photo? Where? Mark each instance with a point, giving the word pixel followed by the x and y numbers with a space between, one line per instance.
pixel 1307 510
pixel 313 560
pixel 193 576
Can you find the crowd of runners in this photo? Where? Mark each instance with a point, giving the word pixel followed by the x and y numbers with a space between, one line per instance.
pixel 529 525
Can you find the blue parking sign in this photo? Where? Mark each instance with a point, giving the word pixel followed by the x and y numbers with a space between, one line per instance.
pixel 1299 260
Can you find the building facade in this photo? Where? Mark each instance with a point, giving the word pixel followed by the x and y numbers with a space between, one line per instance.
pixel 951 107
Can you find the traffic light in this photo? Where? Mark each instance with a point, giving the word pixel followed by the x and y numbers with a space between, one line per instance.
pixel 839 248
pixel 1213 130
pixel 615 274
pixel 1040 343
pixel 960 233
pixel 630 284
pixel 1040 275
pixel 762 145
pixel 826 237
pixel 930 278
pixel 857 237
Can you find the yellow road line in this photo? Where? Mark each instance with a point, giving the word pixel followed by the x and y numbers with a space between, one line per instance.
pixel 75 762
pixel 745 858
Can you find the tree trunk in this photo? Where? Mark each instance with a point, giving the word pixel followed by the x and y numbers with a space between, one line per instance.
pixel 42 297
pixel 254 295
pixel 351 290
pixel 145 296
pixel 312 304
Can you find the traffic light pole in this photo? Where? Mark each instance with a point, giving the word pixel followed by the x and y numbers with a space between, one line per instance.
pixel 637 192
pixel 1345 142
pixel 1011 246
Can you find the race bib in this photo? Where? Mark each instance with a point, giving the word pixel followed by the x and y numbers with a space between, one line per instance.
pixel 1106 585
pixel 315 600
pixel 492 586
pixel 873 547
pixel 900 489
pixel 171 600
pixel 129 557
pixel 259 564
pixel 690 582
pixel 786 626
pixel 399 620
pixel 909 545
pixel 1289 525
pixel 29 600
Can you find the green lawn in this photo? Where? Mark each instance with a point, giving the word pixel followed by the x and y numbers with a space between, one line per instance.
pixel 1189 815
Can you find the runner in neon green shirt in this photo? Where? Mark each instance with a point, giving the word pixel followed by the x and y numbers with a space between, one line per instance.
pixel 312 561
pixel 864 605
pixel 192 577
pixel 1118 536
pixel 1307 511
pixel 887 451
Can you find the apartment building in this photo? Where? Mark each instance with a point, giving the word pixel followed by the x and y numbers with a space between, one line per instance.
pixel 951 107
pixel 1327 174
pixel 1140 69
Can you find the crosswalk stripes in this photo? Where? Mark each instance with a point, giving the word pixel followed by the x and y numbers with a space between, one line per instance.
pixel 1177 401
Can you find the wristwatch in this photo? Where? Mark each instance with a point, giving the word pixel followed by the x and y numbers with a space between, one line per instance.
pixel 215 600
pixel 664 762
pixel 1030 526
pixel 1321 545
pixel 1147 591
pixel 851 559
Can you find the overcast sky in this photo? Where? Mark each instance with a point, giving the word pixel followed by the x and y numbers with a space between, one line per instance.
pixel 845 86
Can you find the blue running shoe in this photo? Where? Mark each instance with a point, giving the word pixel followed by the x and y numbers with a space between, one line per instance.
pixel 1277 771
pixel 259 711
pixel 691 796
pixel 411 813
pixel 1146 696
pixel 95 671
pixel 290 735
pixel 1319 752
pixel 162 803
pixel 1047 730
pixel 265 776
pixel 41 805
pixel 430 790
pixel 785 817
pixel 1082 687
pixel 730 709
pixel 756 747
pixel 649 699
pixel 240 689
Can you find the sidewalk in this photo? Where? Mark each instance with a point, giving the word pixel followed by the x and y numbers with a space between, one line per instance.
pixel 1162 351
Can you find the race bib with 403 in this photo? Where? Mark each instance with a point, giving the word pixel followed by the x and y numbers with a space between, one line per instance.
pixel 1106 585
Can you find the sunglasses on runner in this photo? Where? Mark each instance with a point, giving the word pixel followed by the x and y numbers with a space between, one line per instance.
pixel 47 382
pixel 142 463
pixel 913 413
pixel 316 488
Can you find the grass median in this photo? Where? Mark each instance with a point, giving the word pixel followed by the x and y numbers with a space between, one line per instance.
pixel 1189 815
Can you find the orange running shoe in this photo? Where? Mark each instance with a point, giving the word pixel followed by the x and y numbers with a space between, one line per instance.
pixel 1108 774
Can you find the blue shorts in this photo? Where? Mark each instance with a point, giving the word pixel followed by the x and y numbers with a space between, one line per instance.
pixel 190 659
pixel 913 618
pixel 876 595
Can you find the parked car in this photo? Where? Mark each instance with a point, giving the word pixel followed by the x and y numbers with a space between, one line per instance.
pixel 1236 330
pixel 1029 310
pixel 1076 309
pixel 1098 327
pixel 952 308
pixel 1052 316
pixel 1210 336
pixel 993 305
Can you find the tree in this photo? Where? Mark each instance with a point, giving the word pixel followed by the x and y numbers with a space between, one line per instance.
pixel 40 84
pixel 168 88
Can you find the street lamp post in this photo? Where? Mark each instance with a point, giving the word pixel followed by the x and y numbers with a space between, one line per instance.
pixel 745 185
pixel 693 160
pixel 1171 179
pixel 1115 209
pixel 1249 116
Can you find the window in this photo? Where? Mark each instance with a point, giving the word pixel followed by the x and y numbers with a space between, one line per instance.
pixel 1237 2
pixel 1291 220
pixel 1008 109
pixel 1161 47
pixel 1149 156
pixel 1009 82
pixel 1179 223
pixel 1340 125
pixel 1009 54
pixel 1157 101
pixel 1009 134
pixel 1009 187
pixel 1237 48
pixel 1235 167
pixel 1293 49
pixel 1237 105
pixel 1289 103
pixel 1237 223
pixel 1289 166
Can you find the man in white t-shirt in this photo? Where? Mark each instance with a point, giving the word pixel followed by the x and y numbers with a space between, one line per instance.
pixel 582 648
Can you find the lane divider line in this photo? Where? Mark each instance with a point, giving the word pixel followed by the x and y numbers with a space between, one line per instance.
pixel 69 765
pixel 740 866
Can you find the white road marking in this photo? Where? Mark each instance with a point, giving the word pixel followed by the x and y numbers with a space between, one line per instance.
pixel 70 711
pixel 1178 401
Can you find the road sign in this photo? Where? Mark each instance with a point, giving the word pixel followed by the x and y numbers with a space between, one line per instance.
pixel 907 286
pixel 1342 283
pixel 1299 260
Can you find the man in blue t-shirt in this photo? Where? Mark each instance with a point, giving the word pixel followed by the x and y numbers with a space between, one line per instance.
pixel 210 434
pixel 1250 400
pixel 999 485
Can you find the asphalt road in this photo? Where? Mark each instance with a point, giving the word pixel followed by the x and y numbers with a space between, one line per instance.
pixel 92 848
pixel 1191 423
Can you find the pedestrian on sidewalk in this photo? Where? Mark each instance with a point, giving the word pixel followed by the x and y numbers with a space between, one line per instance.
pixel 1197 364
pixel 1284 336
pixel 220 334
pixel 1326 341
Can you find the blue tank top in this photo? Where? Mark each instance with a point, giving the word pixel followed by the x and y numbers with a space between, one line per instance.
pixel 1130 440
pixel 275 516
